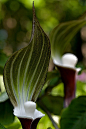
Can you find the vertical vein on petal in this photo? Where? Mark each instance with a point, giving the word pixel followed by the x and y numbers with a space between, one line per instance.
pixel 29 58
pixel 11 74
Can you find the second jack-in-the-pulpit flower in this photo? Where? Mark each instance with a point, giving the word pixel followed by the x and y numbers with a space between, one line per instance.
pixel 60 38
pixel 24 76
pixel 68 73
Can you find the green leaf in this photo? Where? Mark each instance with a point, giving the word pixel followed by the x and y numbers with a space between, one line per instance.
pixel 2 87
pixel 2 127
pixel 52 80
pixel 53 83
pixel 15 125
pixel 3 59
pixel 26 69
pixel 74 117
pixel 6 113
pixel 54 104
pixel 1 71
pixel 51 75
pixel 62 35
pixel 3 97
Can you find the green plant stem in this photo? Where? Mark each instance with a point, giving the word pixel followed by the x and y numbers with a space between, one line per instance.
pixel 49 115
pixel 53 122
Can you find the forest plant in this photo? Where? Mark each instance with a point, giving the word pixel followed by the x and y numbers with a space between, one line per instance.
pixel 60 38
pixel 25 73
pixel 24 76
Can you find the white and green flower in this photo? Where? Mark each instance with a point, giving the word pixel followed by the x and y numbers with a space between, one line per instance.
pixel 60 39
pixel 24 76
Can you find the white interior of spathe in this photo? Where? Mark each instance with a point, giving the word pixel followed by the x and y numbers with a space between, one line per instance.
pixel 28 111
pixel 68 60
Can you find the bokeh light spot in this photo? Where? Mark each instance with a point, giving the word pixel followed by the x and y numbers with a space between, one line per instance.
pixel 3 34
pixel 37 3
pixel 83 33
pixel 11 23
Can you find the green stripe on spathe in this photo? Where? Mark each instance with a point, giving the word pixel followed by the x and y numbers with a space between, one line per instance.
pixel 26 70
pixel 62 35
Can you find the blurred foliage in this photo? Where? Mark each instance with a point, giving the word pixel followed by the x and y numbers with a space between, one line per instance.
pixel 3 97
pixel 64 32
pixel 2 127
pixel 15 32
pixel 49 99
pixel 74 117
pixel 16 18
pixel 3 59
pixel 15 125
pixel 6 113
pixel 44 123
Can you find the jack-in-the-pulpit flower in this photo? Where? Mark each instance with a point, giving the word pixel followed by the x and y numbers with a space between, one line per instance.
pixel 60 38
pixel 28 115
pixel 68 73
pixel 68 60
pixel 24 76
